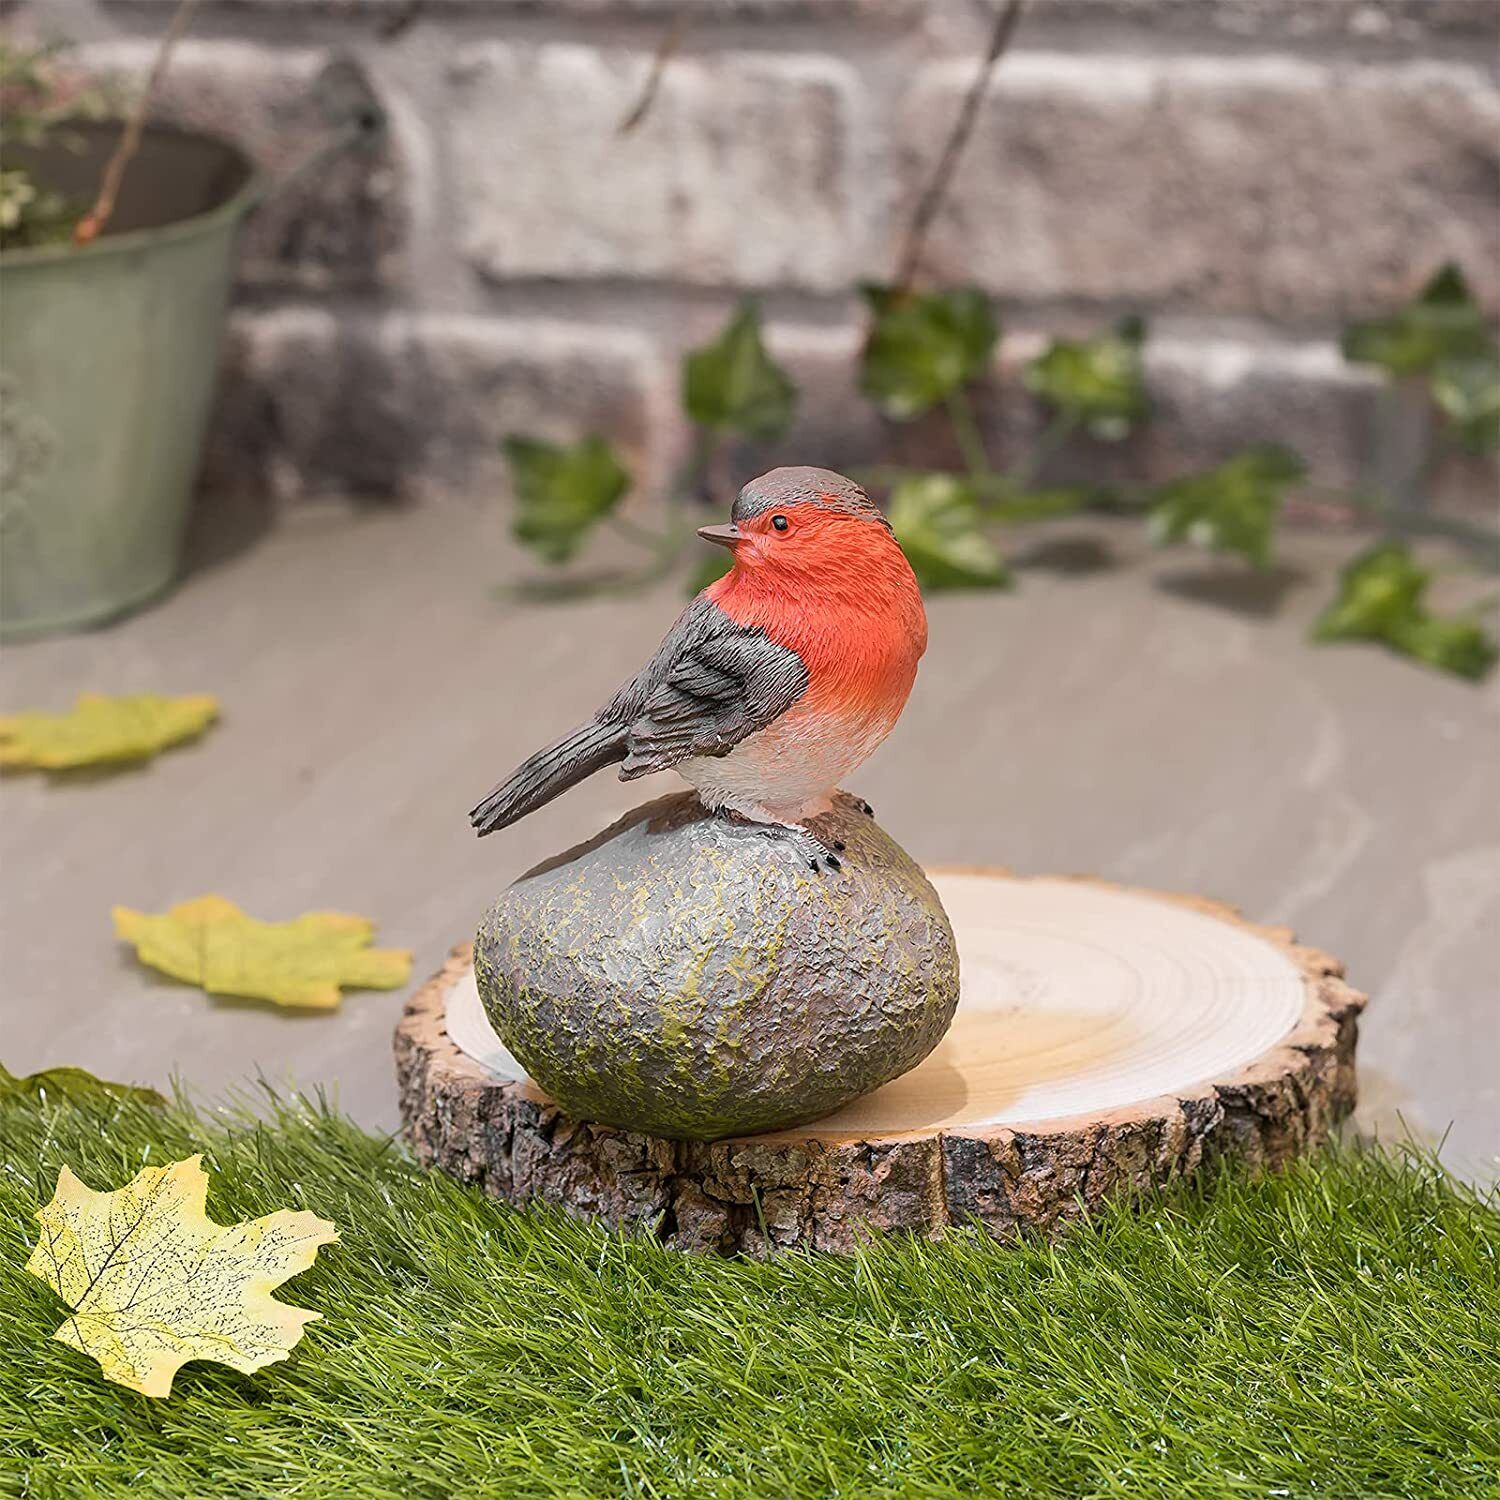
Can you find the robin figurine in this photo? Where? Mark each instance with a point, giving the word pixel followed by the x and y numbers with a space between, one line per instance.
pixel 776 682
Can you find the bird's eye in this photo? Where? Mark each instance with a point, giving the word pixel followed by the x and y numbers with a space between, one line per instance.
pixel 780 522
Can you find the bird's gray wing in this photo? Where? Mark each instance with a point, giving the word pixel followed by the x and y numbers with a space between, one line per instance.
pixel 712 683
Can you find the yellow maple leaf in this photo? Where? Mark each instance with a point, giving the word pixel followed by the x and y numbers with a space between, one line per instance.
pixel 100 731
pixel 212 943
pixel 153 1282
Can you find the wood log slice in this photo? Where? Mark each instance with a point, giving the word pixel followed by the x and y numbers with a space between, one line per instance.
pixel 1107 1040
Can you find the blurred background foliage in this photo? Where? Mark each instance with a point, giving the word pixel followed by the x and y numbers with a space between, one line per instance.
pixel 930 351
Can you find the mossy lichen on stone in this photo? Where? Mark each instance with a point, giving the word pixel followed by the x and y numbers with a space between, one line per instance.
pixel 691 978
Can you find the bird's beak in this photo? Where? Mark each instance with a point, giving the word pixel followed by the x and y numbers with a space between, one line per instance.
pixel 722 536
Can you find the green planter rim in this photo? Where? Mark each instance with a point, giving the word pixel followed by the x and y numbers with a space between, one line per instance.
pixel 245 198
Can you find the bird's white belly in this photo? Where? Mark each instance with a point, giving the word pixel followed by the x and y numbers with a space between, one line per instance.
pixel 789 770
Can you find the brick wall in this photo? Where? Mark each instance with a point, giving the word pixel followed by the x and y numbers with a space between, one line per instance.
pixel 1248 173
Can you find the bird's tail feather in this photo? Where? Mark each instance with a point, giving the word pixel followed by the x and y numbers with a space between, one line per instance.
pixel 548 773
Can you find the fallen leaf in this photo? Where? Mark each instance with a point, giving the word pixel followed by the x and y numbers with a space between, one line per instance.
pixel 71 1086
pixel 153 1282
pixel 100 731
pixel 210 942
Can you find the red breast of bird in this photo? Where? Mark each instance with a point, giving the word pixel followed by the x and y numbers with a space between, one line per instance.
pixel 837 590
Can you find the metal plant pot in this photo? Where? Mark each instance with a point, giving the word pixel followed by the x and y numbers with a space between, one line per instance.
pixel 108 360
pixel 108 355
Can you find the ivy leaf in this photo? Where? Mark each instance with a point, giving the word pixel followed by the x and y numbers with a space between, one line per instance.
pixel 1468 393
pixel 1381 597
pixel 921 348
pixel 71 1086
pixel 210 942
pixel 733 385
pixel 937 520
pixel 1458 644
pixel 1097 382
pixel 1232 508
pixel 562 492
pixel 102 731
pixel 1378 591
pixel 1442 322
pixel 153 1282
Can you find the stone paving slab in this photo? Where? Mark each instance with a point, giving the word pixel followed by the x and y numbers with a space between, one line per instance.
pixel 1101 718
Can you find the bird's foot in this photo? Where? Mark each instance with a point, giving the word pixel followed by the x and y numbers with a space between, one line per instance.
pixel 860 803
pixel 819 853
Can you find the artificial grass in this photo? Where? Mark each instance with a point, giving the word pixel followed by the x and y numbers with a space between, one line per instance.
pixel 1332 1331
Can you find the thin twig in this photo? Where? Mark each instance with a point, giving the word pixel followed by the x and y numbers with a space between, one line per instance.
pixel 642 536
pixel 1480 541
pixel 967 434
pixel 666 49
pixel 401 21
pixel 92 224
pixel 963 127
pixel 1057 432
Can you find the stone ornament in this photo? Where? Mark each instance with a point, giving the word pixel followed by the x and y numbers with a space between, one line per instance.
pixel 691 978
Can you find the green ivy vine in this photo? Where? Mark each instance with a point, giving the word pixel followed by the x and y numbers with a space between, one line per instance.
pixel 929 351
